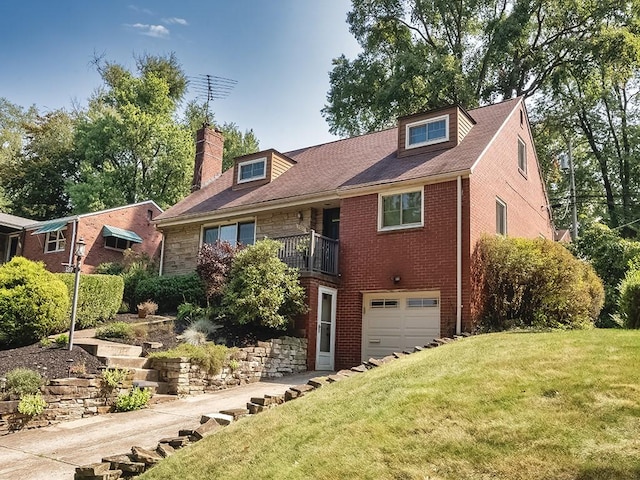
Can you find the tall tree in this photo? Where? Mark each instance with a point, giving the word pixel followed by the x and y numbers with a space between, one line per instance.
pixel 132 147
pixel 419 54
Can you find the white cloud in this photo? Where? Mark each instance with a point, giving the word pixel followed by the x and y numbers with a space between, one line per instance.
pixel 142 10
pixel 175 20
pixel 157 31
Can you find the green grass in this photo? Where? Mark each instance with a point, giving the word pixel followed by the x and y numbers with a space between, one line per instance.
pixel 561 405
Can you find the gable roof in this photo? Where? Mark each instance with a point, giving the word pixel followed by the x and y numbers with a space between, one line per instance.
pixel 13 221
pixel 345 166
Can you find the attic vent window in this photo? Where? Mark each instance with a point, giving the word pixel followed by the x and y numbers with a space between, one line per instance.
pixel 427 132
pixel 252 170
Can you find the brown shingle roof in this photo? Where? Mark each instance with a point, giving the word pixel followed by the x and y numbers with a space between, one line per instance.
pixel 348 164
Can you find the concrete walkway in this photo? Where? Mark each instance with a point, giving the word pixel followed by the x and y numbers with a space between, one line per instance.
pixel 53 452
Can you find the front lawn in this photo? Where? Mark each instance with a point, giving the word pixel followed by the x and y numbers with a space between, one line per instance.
pixel 562 405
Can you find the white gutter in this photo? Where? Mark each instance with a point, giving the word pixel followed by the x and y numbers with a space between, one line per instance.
pixel 459 259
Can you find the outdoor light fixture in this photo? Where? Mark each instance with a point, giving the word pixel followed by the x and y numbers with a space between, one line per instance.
pixel 300 215
pixel 79 253
pixel 396 279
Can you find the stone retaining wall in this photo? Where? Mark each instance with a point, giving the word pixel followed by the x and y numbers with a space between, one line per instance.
pixel 272 359
pixel 67 399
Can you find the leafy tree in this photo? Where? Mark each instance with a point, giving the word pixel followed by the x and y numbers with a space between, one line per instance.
pixel 213 266
pixel 132 148
pixel 37 178
pixel 262 289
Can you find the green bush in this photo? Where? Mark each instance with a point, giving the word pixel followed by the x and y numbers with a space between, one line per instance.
pixel 610 255
pixel 23 381
pixel 209 356
pixel 262 289
pixel 112 377
pixel 62 340
pixel 630 299
pixel 99 297
pixel 134 400
pixel 32 404
pixel 33 302
pixel 171 291
pixel 531 283
pixel 121 330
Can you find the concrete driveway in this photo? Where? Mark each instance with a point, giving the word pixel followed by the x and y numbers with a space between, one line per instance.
pixel 53 452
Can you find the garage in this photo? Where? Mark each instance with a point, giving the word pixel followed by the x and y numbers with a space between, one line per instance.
pixel 396 321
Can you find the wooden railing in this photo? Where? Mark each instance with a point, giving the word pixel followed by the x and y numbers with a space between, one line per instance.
pixel 310 252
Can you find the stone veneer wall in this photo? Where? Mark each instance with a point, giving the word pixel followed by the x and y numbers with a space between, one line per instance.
pixel 271 359
pixel 67 399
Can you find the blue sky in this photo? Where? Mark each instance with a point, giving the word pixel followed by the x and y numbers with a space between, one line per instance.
pixel 279 52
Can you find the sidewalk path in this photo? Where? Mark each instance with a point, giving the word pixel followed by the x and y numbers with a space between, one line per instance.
pixel 52 453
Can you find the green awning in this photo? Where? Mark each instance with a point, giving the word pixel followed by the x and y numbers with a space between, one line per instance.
pixel 109 231
pixel 50 227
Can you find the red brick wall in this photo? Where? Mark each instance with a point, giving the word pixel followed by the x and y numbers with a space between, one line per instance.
pixel 424 258
pixel 527 214
pixel 134 218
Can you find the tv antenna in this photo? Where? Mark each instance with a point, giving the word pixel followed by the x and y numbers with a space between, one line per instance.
pixel 211 87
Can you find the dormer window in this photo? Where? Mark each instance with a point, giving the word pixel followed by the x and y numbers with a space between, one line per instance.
pixel 252 170
pixel 427 132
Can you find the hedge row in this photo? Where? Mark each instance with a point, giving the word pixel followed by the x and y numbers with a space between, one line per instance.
pixel 170 291
pixel 99 297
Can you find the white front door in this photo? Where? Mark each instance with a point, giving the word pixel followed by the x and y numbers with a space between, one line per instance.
pixel 326 333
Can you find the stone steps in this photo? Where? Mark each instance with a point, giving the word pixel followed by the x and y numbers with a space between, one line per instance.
pixel 125 362
pixel 147 374
pixel 103 348
pixel 157 388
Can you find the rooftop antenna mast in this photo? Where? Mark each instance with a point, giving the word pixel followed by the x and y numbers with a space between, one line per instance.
pixel 211 87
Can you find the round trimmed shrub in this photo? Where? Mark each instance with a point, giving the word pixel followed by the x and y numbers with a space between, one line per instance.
pixel 630 299
pixel 34 303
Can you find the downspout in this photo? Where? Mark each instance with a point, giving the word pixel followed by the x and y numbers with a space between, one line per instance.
pixel 161 256
pixel 459 259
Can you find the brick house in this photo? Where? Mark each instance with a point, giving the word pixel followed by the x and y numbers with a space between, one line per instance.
pixel 107 234
pixel 382 226
pixel 11 234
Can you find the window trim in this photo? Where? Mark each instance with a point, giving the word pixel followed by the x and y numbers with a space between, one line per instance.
pixel 116 249
pixel 223 224
pixel 503 204
pixel 381 196
pixel 409 126
pixel 252 162
pixel 522 161
pixel 60 238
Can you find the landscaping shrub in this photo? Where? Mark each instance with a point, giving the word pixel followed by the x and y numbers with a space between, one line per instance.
pixel 531 283
pixel 213 266
pixel 136 399
pixel 630 299
pixel 121 330
pixel 23 381
pixel 99 297
pixel 32 404
pixel 112 377
pixel 610 255
pixel 34 303
pixel 171 291
pixel 262 289
pixel 188 313
pixel 198 331
pixel 210 357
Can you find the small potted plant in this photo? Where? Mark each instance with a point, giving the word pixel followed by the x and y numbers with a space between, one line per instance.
pixel 148 307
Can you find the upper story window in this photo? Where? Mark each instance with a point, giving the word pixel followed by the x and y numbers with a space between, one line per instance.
pixel 55 241
pixel 522 156
pixel 400 210
pixel 426 132
pixel 501 217
pixel 252 170
pixel 234 233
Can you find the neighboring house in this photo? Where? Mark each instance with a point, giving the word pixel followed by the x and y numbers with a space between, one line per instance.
pixel 11 235
pixel 382 226
pixel 107 234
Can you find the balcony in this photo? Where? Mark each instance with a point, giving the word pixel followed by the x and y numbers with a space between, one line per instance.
pixel 310 252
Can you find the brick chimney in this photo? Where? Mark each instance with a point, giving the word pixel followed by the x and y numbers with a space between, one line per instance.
pixel 208 164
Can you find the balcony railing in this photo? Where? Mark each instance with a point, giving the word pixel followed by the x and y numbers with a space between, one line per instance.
pixel 310 252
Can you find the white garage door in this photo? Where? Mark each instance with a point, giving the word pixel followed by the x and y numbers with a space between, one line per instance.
pixel 394 322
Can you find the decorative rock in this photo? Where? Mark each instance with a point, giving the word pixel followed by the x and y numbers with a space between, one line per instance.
pixel 346 373
pixel 221 418
pixel 255 409
pixel 94 469
pixel 317 382
pixel 185 433
pixel 375 362
pixel 359 369
pixel 336 378
pixel 236 413
pixel 205 429
pixel 418 348
pixel 152 345
pixel 290 395
pixel 302 389
pixel 275 399
pixel 165 450
pixel 148 457
pixel 124 463
pixel 109 475
pixel 399 354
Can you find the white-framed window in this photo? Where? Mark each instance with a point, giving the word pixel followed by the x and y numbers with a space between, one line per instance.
pixel 234 233
pixel 384 303
pixel 400 210
pixel 427 132
pixel 252 170
pixel 522 156
pixel 422 302
pixel 55 241
pixel 116 243
pixel 501 217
